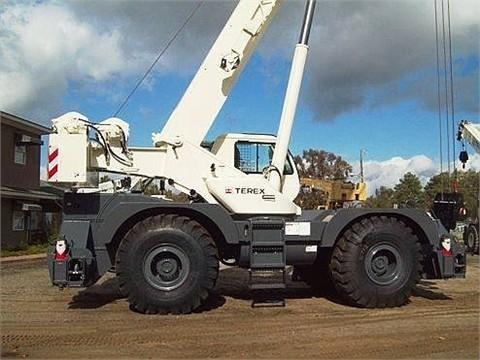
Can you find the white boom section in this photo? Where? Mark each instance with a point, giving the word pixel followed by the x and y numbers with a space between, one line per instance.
pixel 206 94
pixel 178 156
pixel 471 133
pixel 288 115
pixel 275 171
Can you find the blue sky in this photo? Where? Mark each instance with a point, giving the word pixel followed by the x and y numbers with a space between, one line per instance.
pixel 404 129
pixel 370 80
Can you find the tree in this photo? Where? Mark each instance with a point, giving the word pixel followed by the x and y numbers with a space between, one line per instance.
pixel 383 198
pixel 436 184
pixel 311 200
pixel 152 189
pixel 301 166
pixel 178 197
pixel 469 187
pixel 322 164
pixel 409 192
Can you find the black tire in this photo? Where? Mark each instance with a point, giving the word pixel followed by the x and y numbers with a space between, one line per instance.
pixel 167 264
pixel 376 263
pixel 471 239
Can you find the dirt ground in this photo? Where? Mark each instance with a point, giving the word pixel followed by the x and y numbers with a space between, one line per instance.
pixel 39 321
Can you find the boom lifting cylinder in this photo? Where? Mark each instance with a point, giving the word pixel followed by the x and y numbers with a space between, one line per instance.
pixel 275 171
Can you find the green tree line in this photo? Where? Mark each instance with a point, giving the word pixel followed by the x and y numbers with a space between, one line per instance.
pixel 409 192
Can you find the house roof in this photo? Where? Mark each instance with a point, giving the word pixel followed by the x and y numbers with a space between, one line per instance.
pixel 13 193
pixel 51 189
pixel 23 124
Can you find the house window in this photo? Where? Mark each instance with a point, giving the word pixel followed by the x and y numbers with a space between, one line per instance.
pixel 35 220
pixel 20 154
pixel 18 223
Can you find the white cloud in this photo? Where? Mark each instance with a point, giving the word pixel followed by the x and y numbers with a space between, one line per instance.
pixel 49 49
pixel 388 172
pixel 44 48
pixel 375 53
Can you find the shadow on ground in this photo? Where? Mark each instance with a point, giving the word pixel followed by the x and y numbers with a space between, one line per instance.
pixel 108 291
pixel 97 295
pixel 429 290
pixel 233 282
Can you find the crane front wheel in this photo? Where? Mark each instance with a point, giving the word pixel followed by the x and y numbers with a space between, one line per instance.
pixel 376 263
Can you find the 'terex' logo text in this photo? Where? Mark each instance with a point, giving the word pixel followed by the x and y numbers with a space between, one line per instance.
pixel 245 191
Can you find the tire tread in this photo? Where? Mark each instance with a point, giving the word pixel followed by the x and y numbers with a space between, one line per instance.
pixel 344 264
pixel 137 299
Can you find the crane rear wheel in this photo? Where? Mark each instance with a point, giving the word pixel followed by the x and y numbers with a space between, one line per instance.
pixel 167 264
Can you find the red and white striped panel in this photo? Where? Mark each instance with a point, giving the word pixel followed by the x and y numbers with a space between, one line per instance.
pixel 52 164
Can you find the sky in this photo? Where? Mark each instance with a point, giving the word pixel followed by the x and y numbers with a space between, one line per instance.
pixel 370 80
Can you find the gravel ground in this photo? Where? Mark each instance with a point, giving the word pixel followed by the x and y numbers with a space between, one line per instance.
pixel 39 321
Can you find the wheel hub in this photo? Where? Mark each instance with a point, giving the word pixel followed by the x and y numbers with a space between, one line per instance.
pixel 379 265
pixel 383 264
pixel 471 240
pixel 166 267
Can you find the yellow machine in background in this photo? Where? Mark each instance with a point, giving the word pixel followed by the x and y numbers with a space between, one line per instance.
pixel 339 193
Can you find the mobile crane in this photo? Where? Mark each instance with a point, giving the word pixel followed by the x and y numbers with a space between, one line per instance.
pixel 166 255
pixel 470 132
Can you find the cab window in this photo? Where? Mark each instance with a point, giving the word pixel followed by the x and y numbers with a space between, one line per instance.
pixel 252 158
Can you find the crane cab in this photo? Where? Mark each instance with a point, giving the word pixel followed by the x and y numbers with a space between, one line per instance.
pixel 252 154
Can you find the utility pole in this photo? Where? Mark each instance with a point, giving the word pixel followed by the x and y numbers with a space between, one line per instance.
pixel 362 152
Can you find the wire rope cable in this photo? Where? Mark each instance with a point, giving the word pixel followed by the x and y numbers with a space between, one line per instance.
pixel 149 70
pixel 446 101
pixel 446 90
pixel 439 100
pixel 452 104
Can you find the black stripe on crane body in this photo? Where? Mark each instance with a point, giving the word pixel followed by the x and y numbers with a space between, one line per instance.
pixel 106 218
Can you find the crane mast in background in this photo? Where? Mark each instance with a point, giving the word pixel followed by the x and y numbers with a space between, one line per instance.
pixel 470 132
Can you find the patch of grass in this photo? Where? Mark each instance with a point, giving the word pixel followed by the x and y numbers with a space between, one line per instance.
pixel 26 250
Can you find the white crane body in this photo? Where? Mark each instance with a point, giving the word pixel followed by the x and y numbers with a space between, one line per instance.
pixel 241 208
pixel 177 154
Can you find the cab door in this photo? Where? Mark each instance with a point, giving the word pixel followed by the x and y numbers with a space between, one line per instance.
pixel 254 157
